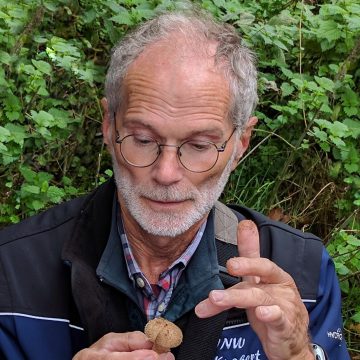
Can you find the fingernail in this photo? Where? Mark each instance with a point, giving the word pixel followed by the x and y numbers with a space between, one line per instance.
pixel 217 295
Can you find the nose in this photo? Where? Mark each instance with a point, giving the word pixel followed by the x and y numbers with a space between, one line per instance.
pixel 167 170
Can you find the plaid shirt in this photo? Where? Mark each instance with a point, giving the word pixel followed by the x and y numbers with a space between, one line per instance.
pixel 155 297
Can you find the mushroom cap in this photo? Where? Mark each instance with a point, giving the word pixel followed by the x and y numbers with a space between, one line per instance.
pixel 163 332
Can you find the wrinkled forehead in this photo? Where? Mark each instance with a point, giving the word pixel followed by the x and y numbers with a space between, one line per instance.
pixel 178 60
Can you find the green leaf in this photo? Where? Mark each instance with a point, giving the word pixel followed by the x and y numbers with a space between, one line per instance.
pixel 42 66
pixel 3 148
pixel 337 141
pixel 325 83
pixel 352 240
pixel 342 269
pixel 17 132
pixel 331 9
pixel 354 127
pixel 42 118
pixel 351 111
pixel 28 174
pixel 4 134
pixel 37 205
pixel 298 82
pixel 326 109
pixel 286 89
pixel 108 172
pixel 61 117
pixel 55 194
pixel 280 45
pixel 28 69
pixel 352 168
pixel 350 98
pixel 329 30
pixel 320 134
pixel 356 317
pixel 5 58
pixel 123 18
pixel 338 129
pixel 246 18
pixel 31 189
pixel 12 102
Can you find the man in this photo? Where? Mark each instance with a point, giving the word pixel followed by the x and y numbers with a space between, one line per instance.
pixel 83 278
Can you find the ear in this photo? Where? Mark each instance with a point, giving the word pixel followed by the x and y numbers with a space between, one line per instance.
pixel 244 140
pixel 106 122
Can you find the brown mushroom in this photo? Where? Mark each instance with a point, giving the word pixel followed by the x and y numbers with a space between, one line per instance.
pixel 164 334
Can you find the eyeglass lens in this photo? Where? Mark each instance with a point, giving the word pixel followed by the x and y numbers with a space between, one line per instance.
pixel 196 156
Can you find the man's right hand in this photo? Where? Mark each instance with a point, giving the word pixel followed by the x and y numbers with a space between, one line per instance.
pixel 125 346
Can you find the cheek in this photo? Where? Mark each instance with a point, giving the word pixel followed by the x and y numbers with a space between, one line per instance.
pixel 202 179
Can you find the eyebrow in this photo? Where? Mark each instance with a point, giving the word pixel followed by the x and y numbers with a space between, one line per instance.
pixel 133 123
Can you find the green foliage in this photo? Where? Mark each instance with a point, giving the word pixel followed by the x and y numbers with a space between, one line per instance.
pixel 304 161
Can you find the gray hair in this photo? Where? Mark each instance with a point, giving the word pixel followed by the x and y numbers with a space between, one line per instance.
pixel 235 60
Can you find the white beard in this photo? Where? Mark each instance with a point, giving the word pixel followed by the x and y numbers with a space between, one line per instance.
pixel 169 223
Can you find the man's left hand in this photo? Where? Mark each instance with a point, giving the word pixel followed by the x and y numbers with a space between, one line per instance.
pixel 270 297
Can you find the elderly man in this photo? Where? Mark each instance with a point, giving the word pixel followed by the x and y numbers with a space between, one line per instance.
pixel 82 279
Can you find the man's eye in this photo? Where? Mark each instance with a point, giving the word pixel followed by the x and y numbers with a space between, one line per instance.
pixel 199 146
pixel 143 141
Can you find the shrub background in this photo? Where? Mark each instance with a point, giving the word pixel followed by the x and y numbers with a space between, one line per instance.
pixel 304 164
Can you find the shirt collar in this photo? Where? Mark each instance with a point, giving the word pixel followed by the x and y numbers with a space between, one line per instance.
pixel 131 263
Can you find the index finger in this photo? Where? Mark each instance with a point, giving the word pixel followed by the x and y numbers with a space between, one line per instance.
pixel 248 243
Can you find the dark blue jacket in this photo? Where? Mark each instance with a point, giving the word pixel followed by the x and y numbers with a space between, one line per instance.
pixel 60 290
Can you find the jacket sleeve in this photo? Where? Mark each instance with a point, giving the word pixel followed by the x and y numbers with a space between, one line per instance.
pixel 325 316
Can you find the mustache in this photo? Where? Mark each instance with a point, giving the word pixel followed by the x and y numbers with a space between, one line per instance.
pixel 166 193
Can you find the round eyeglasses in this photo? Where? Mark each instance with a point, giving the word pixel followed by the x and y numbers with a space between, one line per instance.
pixel 194 155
